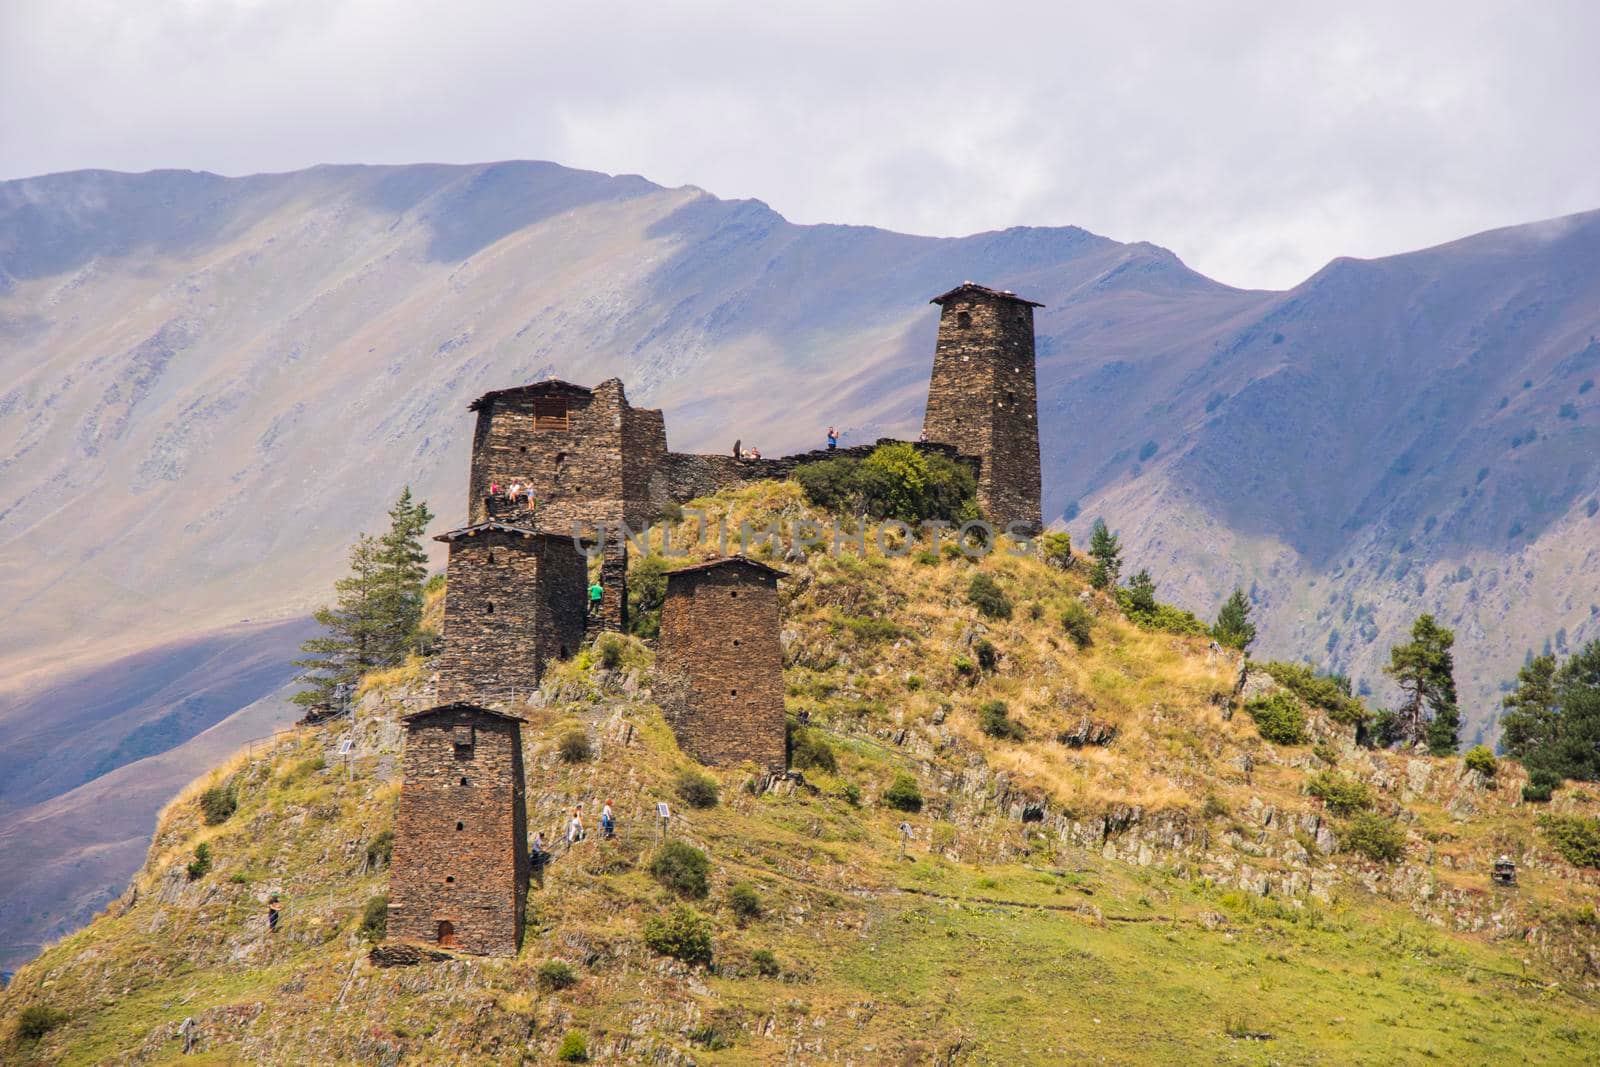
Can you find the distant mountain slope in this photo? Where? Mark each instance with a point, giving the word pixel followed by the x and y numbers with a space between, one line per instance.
pixel 208 385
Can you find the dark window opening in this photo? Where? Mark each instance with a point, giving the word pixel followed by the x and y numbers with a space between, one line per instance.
pixel 449 879
pixel 561 457
pixel 550 413
pixel 733 692
pixel 733 594
pixel 1011 398
pixel 461 826
pixel 564 652
pixel 963 318
pixel 489 608
pixel 735 642
pixel 447 933
pixel 463 781
pixel 523 449
pixel 491 557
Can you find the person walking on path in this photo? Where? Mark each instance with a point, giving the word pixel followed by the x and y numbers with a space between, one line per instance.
pixel 272 914
pixel 538 857
pixel 597 593
pixel 608 822
pixel 833 439
pixel 905 838
pixel 575 828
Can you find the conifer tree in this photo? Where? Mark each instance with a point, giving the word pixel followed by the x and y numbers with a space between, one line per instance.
pixel 1533 709
pixel 1142 593
pixel 377 608
pixel 1106 551
pixel 1424 668
pixel 1234 628
pixel 1553 717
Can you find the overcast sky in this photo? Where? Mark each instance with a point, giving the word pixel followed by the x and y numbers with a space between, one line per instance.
pixel 1256 140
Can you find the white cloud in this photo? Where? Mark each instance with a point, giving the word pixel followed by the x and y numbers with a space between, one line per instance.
pixel 1256 140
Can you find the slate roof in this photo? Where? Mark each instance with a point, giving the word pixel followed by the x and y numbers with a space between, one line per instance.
pixel 983 290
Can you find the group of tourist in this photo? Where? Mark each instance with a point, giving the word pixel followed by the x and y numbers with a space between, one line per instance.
pixel 509 498
pixel 740 452
pixel 539 856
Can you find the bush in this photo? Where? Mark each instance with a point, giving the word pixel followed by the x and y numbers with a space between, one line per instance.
pixel 380 850
pixel 375 918
pixel 574 745
pixel 1077 621
pixel 809 750
pixel 1330 692
pixel 995 720
pixel 554 975
pixel 744 902
pixel 682 868
pixel 697 790
pixel 574 1048
pixel 1374 837
pixel 682 933
pixel 1479 758
pixel 1214 807
pixel 1057 549
pixel 895 482
pixel 987 596
pixel 609 648
pixel 647 590
pixel 1577 838
pixel 1278 718
pixel 1138 603
pixel 903 794
pixel 1325 752
pixel 1342 795
pixel 988 655
pixel 766 963
pixel 36 1020
pixel 200 866
pixel 1542 784
pixel 219 803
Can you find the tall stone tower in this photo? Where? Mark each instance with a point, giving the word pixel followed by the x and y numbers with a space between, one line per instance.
pixel 722 662
pixel 460 871
pixel 515 601
pixel 983 397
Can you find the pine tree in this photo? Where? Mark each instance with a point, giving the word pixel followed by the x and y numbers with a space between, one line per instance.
pixel 402 569
pixel 1106 551
pixel 1553 717
pixel 377 609
pixel 1142 593
pixel 1234 628
pixel 1533 709
pixel 346 650
pixel 1424 668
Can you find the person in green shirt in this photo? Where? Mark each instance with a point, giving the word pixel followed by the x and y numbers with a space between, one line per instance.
pixel 595 593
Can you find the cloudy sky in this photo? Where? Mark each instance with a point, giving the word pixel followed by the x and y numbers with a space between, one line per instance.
pixel 1256 140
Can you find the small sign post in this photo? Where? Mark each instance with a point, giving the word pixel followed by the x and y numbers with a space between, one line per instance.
pixel 663 817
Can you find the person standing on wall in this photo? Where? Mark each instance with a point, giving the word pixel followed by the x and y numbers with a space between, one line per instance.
pixel 597 593
pixel 833 439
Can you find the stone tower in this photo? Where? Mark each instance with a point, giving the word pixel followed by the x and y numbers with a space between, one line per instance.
pixel 589 456
pixel 459 878
pixel 515 601
pixel 983 397
pixel 723 665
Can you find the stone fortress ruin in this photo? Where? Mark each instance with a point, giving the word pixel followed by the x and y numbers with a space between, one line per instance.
pixel 516 599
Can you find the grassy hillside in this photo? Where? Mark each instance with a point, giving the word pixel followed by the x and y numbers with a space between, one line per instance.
pixel 1156 898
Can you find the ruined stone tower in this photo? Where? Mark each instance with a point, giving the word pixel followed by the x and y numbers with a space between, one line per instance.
pixel 722 661
pixel 589 456
pixel 514 602
pixel 459 878
pixel 983 398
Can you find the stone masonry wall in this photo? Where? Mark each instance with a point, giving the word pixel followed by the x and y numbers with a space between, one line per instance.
pixel 460 831
pixel 720 654
pixel 513 603
pixel 983 400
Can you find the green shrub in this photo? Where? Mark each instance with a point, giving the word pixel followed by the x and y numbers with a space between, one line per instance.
pixel 218 804
pixel 985 594
pixel 200 866
pixel 1330 692
pixel 1373 836
pixel 744 902
pixel 1077 621
pixel 375 918
pixel 850 793
pixel 36 1020
pixel 988 655
pixel 682 933
pixel 1342 795
pixel 903 794
pixel 1138 603
pixel 708 1037
pixel 925 557
pixel 1577 838
pixel 574 1048
pixel 809 750
pixel 995 720
pixel 608 648
pixel 647 590
pixel 574 745
pixel 1542 784
pixel 697 790
pixel 1479 758
pixel 895 482
pixel 1278 718
pixel 1325 752
pixel 682 868
pixel 766 963
pixel 554 975
pixel 964 666
pixel 1057 549
pixel 380 850
pixel 1214 807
